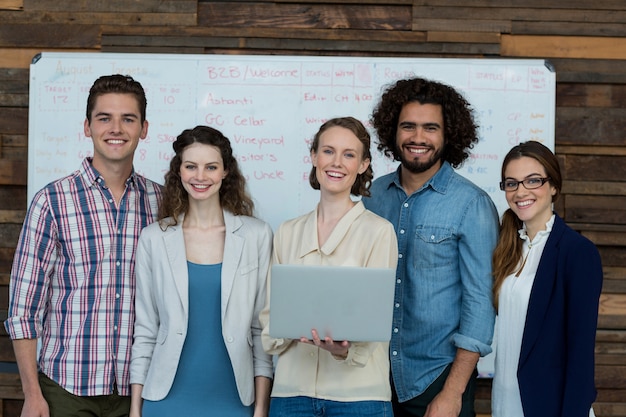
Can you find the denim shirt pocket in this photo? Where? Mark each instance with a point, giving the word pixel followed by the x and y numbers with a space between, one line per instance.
pixel 434 246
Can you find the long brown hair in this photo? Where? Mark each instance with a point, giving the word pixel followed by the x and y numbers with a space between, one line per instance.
pixel 233 194
pixel 508 251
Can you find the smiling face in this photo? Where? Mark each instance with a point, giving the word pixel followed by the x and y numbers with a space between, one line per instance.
pixel 338 160
pixel 115 130
pixel 419 137
pixel 202 171
pixel 534 207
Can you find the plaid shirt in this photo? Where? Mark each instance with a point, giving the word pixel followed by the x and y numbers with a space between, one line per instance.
pixel 73 279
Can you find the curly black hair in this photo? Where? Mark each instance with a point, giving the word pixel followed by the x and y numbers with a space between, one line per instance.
pixel 460 129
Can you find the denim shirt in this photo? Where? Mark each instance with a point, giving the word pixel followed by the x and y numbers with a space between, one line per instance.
pixel 446 231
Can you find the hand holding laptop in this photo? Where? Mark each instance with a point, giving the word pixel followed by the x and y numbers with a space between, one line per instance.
pixel 340 302
pixel 339 349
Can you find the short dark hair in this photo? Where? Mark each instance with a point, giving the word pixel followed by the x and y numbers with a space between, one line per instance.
pixel 117 83
pixel 460 129
pixel 363 181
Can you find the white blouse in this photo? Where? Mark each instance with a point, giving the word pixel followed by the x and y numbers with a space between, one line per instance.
pixel 512 307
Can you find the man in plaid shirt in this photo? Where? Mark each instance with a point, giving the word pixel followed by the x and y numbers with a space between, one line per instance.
pixel 73 280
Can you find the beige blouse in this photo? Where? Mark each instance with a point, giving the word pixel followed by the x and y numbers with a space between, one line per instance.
pixel 360 238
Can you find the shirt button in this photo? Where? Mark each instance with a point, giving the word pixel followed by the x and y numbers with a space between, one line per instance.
pixel 118 263
pixel 395 330
pixel 399 255
pixel 117 296
pixel 432 237
pixel 406 204
pixel 398 281
pixel 115 328
pixel 111 201
pixel 402 231
pixel 394 353
pixel 229 340
pixel 397 305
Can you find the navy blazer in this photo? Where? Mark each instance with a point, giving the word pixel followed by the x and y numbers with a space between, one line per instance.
pixel 556 365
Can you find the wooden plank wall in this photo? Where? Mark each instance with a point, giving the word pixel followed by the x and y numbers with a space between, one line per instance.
pixel 585 41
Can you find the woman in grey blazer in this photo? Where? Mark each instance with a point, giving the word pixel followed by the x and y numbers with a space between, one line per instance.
pixel 201 280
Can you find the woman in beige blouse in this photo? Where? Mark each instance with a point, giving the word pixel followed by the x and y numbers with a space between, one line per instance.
pixel 319 374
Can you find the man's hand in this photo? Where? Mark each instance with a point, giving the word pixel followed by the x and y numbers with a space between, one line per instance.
pixel 35 406
pixel 445 404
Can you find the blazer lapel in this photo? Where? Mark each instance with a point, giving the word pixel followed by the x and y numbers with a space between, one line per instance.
pixel 233 249
pixel 175 251
pixel 542 290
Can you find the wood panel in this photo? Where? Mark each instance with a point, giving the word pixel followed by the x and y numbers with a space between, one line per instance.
pixel 141 18
pixel 590 95
pixel 612 312
pixel 531 14
pixel 124 6
pixel 11 4
pixel 594 168
pixel 586 125
pixel 13 172
pixel 581 47
pixel 589 70
pixel 535 4
pixel 49 35
pixel 22 57
pixel 306 15
pixel 597 209
pixel 13 197
pixel 584 41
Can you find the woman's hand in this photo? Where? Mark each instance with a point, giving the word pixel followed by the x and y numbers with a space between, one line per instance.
pixel 337 349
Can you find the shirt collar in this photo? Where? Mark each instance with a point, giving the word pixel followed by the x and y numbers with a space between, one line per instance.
pixel 93 177
pixel 438 182
pixel 310 230
pixel 541 235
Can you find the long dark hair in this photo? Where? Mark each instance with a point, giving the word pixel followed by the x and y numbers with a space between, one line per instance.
pixel 508 251
pixel 232 193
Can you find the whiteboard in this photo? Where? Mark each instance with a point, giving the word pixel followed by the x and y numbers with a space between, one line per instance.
pixel 270 107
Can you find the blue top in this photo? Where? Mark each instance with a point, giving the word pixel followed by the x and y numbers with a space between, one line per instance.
pixel 204 384
pixel 447 231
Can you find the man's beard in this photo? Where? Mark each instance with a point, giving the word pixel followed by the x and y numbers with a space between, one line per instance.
pixel 417 167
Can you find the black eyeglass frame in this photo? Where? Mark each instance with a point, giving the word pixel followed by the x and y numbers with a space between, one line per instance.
pixel 542 180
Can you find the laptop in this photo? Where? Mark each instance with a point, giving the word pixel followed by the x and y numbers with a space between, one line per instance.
pixel 343 302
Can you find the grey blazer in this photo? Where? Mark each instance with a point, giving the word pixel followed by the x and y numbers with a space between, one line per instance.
pixel 161 304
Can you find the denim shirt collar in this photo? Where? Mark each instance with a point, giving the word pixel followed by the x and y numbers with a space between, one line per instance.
pixel 438 182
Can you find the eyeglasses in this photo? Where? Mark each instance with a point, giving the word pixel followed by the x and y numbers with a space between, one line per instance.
pixel 528 183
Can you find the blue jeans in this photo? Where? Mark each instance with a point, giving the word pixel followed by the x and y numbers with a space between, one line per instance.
pixel 315 407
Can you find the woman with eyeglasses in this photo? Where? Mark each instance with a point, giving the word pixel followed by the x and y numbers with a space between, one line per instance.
pixel 547 285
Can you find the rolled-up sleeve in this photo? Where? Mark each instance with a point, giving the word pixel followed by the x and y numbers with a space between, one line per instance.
pixel 33 265
pixel 478 238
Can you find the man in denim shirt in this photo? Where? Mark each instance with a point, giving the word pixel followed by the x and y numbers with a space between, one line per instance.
pixel 447 228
